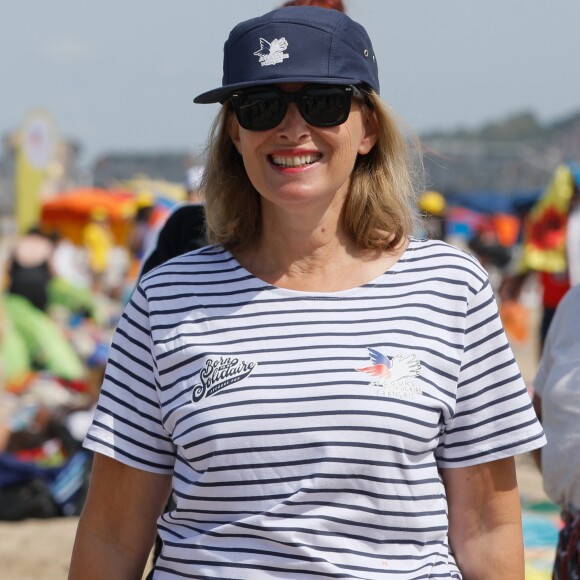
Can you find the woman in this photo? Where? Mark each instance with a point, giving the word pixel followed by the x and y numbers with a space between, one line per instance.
pixel 324 396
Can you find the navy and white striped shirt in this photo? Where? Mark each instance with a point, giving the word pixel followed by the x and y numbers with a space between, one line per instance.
pixel 305 430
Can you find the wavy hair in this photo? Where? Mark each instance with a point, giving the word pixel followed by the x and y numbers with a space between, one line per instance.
pixel 380 207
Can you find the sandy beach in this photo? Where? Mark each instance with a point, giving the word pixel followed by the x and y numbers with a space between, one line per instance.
pixel 36 549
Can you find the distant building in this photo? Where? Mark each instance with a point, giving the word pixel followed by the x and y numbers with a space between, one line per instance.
pixel 7 165
pixel 115 167
pixel 512 155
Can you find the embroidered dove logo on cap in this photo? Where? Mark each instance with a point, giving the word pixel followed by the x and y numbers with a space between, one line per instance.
pixel 271 53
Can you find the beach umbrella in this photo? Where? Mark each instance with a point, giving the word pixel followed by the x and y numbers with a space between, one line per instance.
pixel 67 213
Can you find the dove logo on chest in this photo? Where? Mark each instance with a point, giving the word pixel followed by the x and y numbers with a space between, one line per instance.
pixel 272 53
pixel 393 376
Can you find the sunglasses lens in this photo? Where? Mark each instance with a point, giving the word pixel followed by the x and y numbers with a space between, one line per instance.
pixel 325 106
pixel 259 110
pixel 320 106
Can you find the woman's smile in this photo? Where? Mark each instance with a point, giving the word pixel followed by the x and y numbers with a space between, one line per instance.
pixel 298 160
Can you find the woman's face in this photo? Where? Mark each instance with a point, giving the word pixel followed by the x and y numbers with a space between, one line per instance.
pixel 296 164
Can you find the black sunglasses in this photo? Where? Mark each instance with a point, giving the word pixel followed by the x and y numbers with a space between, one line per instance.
pixel 263 108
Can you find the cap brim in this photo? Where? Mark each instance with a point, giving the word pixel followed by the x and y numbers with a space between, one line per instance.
pixel 221 94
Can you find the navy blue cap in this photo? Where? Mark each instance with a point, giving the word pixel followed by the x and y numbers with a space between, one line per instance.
pixel 297 44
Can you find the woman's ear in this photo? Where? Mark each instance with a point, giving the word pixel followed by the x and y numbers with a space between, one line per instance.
pixel 370 132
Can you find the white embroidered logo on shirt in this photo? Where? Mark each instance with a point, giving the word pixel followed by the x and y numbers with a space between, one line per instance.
pixel 219 373
pixel 393 374
pixel 271 53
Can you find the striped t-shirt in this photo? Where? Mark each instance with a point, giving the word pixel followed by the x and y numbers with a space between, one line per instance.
pixel 305 430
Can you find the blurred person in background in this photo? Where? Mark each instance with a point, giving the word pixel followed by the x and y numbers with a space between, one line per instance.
pixel 98 242
pixel 557 404
pixel 573 235
pixel 140 229
pixel 184 229
pixel 433 207
pixel 553 233
pixel 323 394
pixel 69 262
pixel 30 267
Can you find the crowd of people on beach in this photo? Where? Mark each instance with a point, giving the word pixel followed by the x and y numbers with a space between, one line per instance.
pixel 57 317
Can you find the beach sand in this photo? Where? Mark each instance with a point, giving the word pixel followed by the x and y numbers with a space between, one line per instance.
pixel 37 549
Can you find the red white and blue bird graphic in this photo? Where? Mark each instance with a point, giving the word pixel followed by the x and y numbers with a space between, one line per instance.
pixel 391 369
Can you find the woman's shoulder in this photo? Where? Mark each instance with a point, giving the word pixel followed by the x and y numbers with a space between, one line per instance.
pixel 442 254
pixel 446 270
pixel 201 261
pixel 445 266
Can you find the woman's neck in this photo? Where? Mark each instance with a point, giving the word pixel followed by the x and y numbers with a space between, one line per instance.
pixel 325 260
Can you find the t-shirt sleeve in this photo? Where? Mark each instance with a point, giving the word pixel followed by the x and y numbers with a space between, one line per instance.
pixel 127 424
pixel 493 416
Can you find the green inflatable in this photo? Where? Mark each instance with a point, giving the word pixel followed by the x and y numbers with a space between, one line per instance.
pixel 45 342
pixel 16 360
pixel 63 293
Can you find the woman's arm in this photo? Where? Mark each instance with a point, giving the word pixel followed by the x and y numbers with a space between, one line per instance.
pixel 485 525
pixel 117 526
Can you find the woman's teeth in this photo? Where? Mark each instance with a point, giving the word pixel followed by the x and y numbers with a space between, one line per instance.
pixel 295 161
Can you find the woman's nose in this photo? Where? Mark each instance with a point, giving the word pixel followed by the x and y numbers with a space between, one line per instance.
pixel 293 126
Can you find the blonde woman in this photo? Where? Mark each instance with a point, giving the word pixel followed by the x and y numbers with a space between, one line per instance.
pixel 324 395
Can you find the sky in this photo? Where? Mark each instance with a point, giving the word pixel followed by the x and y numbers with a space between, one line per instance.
pixel 120 75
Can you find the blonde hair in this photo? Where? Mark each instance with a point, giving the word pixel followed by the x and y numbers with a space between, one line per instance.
pixel 380 207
